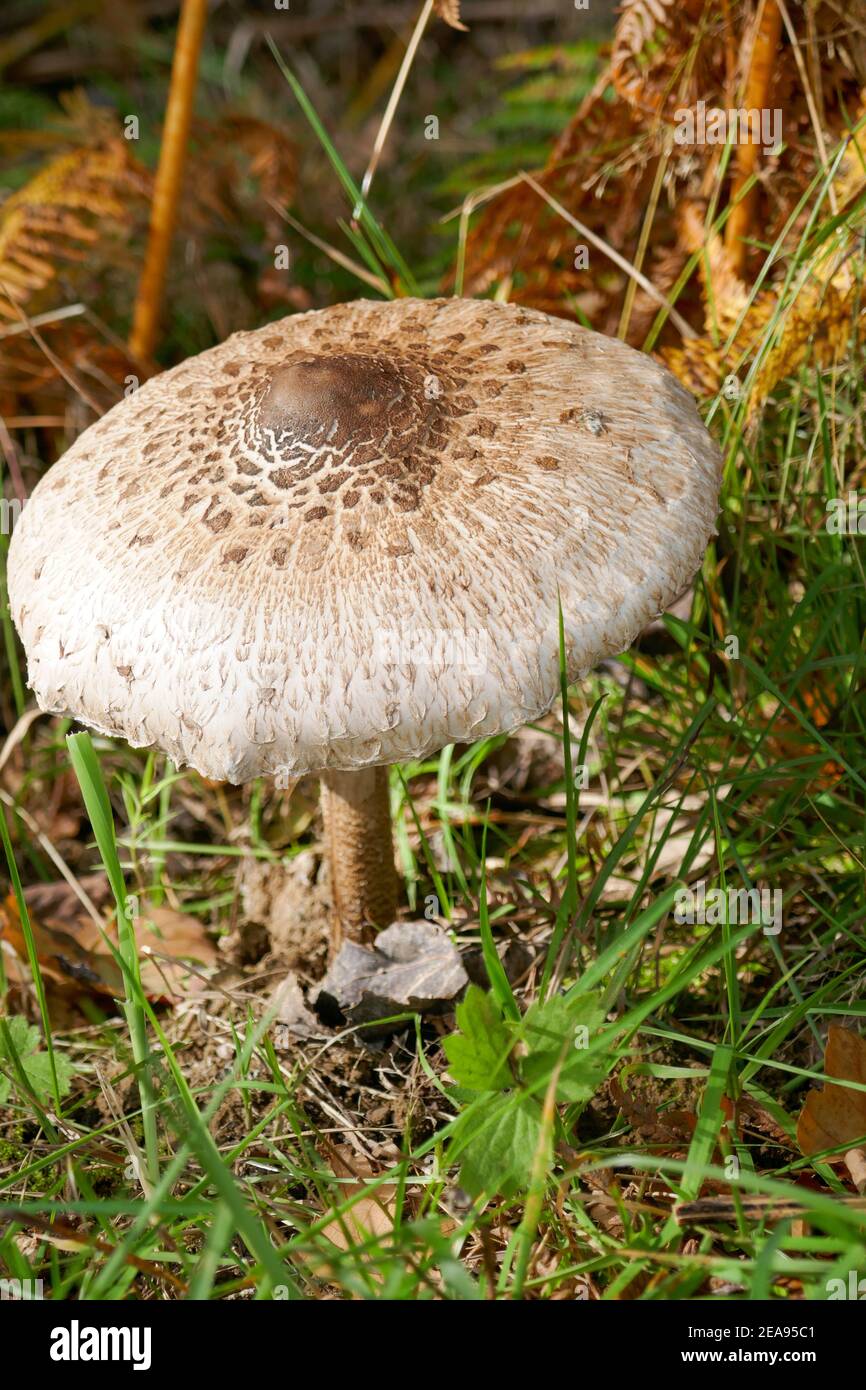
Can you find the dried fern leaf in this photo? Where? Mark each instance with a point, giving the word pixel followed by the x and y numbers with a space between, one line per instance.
pixel 644 26
pixel 815 322
pixel 602 167
pixel 449 10
pixel 662 56
pixel 53 222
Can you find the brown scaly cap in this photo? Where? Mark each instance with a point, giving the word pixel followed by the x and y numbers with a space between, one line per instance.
pixel 342 539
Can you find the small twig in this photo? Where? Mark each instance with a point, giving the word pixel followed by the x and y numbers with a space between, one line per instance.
pixel 17 734
pixel 10 449
pixel 646 285
pixel 55 1230
pixel 712 1210
pixel 166 190
pixel 339 257
pixel 30 325
pixel 393 102
pixel 40 320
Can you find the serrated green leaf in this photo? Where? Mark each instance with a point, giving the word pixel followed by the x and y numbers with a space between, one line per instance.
pixel 478 1054
pixel 36 1065
pixel 553 1033
pixel 38 1071
pixel 24 1035
pixel 495 1142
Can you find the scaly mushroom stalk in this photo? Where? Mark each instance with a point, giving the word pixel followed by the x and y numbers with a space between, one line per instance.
pixel 356 811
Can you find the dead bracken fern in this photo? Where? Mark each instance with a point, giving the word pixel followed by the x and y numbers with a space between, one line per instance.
pixel 618 171
pixel 64 236
pixel 449 10
pixel 67 223
pixel 227 156
pixel 75 232
pixel 814 318
pixel 658 56
pixel 80 200
pixel 601 170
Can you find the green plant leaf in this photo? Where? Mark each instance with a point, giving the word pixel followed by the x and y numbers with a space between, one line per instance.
pixel 36 1065
pixel 560 1032
pixel 495 1142
pixel 478 1054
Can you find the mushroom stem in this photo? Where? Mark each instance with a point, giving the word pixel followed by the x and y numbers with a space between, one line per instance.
pixel 356 810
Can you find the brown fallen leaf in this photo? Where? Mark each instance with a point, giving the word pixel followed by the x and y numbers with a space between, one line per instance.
pixel 836 1115
pixel 651 1123
pixel 74 957
pixel 369 1216
pixel 414 967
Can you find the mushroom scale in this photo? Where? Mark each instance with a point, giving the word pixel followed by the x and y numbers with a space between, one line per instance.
pixel 341 540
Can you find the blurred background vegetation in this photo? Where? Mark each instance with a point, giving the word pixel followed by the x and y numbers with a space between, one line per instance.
pixel 72 73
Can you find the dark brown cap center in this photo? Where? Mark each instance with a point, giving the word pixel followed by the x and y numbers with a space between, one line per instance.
pixel 330 431
pixel 329 396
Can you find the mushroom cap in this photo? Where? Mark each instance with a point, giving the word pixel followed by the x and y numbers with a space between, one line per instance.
pixel 343 539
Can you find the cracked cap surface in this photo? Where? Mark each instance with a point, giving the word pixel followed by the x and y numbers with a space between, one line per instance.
pixel 341 539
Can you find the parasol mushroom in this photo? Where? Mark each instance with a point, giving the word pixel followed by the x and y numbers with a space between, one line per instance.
pixel 341 541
